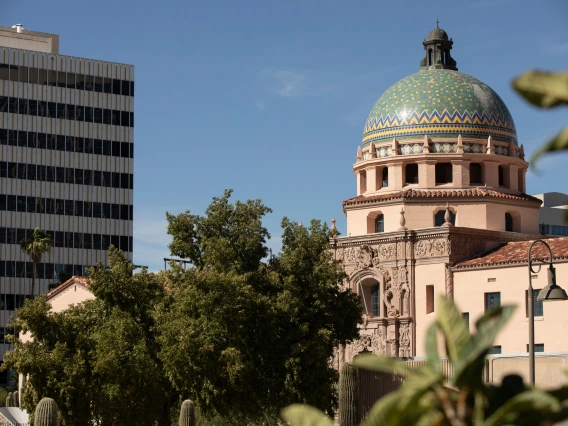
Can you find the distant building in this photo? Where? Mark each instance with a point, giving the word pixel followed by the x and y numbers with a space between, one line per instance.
pixel 441 209
pixel 553 213
pixel 66 161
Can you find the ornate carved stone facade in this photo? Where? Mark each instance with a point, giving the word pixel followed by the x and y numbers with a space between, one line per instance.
pixel 390 262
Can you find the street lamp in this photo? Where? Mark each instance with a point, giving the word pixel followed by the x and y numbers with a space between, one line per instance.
pixel 550 293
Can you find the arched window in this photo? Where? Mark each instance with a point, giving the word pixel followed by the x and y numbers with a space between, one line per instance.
pixel 385 177
pixel 443 173
pixel 508 222
pixel 411 173
pixel 445 58
pixel 439 218
pixel 475 174
pixel 429 56
pixel 376 300
pixel 521 177
pixel 380 223
pixel 501 176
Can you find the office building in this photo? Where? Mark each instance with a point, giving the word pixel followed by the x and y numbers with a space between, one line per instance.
pixel 66 161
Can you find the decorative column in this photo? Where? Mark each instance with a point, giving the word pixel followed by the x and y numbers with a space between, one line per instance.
pixel 491 173
pixel 396 175
pixel 371 179
pixel 427 173
pixel 460 173
pixel 514 177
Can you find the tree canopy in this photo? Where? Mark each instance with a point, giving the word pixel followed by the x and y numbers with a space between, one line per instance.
pixel 239 334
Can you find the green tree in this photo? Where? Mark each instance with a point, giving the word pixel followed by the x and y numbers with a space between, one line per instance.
pixel 429 397
pixel 244 338
pixel 545 90
pixel 98 359
pixel 35 246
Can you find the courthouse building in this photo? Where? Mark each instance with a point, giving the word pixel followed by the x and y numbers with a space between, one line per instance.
pixel 441 208
pixel 66 161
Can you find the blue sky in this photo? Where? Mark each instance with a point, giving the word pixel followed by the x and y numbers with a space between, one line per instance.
pixel 270 97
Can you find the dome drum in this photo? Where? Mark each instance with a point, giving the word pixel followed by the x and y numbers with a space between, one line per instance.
pixel 441 146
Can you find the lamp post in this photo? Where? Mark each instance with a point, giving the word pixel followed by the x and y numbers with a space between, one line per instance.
pixel 550 293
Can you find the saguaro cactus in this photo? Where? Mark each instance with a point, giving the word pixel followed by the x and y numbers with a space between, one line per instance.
pixel 348 395
pixel 15 399
pixel 187 413
pixel 9 399
pixel 46 413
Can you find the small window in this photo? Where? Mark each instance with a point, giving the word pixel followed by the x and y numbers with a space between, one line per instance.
pixel 465 317
pixel 443 173
pixel 385 181
pixel 429 56
pixel 495 350
pixel 376 300
pixel 475 174
pixel 501 176
pixel 429 299
pixel 538 347
pixel 492 300
pixel 380 223
pixel 411 173
pixel 439 219
pixel 538 307
pixel 508 222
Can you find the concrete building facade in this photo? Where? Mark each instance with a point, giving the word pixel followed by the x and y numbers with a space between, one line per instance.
pixel 66 161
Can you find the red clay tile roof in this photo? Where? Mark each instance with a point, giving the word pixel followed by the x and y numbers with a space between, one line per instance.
pixel 437 193
pixel 517 252
pixel 73 280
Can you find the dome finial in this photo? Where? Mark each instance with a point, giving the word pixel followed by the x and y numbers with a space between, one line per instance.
pixel 437 46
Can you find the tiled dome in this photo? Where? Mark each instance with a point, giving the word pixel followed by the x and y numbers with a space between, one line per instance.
pixel 439 103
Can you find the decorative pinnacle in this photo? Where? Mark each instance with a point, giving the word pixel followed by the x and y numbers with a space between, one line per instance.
pixel 333 227
pixel 447 216
pixel 301 224
pixel 402 220
pixel 437 23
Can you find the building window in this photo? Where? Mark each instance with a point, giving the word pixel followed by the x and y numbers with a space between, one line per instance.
pixel 501 176
pixel 429 299
pixel 380 223
pixel 465 317
pixel 439 219
pixel 385 181
pixel 475 174
pixel 495 350
pixel 443 173
pixel 538 307
pixel 492 300
pixel 508 222
pixel 411 174
pixel 376 300
pixel 538 347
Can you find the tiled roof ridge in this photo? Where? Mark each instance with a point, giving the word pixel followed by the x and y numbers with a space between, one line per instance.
pixel 432 193
pixel 516 252
pixel 73 280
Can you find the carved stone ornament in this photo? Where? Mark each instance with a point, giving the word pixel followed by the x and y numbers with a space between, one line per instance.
pixel 378 342
pixel 404 349
pixel 364 257
pixel 430 248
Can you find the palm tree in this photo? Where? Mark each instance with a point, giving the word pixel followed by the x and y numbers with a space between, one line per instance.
pixel 35 245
